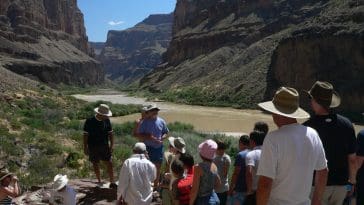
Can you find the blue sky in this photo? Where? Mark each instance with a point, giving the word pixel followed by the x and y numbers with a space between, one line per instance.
pixel 104 15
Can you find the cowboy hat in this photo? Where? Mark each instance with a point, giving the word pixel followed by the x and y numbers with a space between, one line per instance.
pixel 324 94
pixel 60 181
pixel 5 173
pixel 178 143
pixel 285 103
pixel 152 107
pixel 103 110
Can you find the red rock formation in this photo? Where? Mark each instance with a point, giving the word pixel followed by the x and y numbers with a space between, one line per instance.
pixel 239 52
pixel 47 39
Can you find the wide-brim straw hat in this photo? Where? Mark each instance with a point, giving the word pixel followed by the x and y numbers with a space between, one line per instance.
pixel 152 107
pixel 178 143
pixel 285 103
pixel 324 94
pixel 5 173
pixel 60 181
pixel 103 110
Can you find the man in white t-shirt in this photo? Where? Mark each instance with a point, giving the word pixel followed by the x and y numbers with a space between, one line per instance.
pixel 252 163
pixel 62 194
pixel 290 155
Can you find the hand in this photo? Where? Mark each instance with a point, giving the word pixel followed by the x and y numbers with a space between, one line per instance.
pixel 85 151
pixel 231 192
pixel 15 178
pixel 351 192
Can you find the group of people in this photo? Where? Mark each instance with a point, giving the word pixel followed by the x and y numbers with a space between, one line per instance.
pixel 319 162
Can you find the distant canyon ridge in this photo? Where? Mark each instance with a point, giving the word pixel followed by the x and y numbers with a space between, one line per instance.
pixel 130 54
pixel 242 51
pixel 46 40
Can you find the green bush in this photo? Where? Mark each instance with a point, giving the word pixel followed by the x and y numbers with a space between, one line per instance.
pixel 178 126
pixel 123 129
pixel 87 110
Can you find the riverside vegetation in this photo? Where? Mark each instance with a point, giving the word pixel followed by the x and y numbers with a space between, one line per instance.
pixel 41 135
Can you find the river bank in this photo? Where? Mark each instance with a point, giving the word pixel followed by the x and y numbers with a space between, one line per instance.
pixel 205 119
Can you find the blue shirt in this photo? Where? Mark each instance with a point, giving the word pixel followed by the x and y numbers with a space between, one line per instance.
pixel 156 127
pixel 240 185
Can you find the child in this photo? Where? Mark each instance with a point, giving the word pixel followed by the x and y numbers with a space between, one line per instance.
pixel 62 193
pixel 178 170
pixel 185 184
pixel 205 177
pixel 223 162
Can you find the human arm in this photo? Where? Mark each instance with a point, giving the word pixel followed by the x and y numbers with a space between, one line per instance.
pixel 250 164
pixel 264 189
pixel 12 191
pixel 249 179
pixel 352 160
pixel 85 138
pixel 174 192
pixel 111 139
pixel 234 179
pixel 320 184
pixel 195 184
pixel 124 179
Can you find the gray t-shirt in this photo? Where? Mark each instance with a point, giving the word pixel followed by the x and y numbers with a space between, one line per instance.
pixel 220 162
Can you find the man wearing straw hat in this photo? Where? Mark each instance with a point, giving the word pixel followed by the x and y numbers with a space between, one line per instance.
pixel 99 141
pixel 62 194
pixel 153 131
pixel 290 155
pixel 338 137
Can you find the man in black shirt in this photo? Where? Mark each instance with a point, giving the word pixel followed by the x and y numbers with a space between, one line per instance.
pixel 99 142
pixel 360 175
pixel 338 137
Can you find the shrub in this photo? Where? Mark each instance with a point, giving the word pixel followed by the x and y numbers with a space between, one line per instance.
pixel 178 126
pixel 87 110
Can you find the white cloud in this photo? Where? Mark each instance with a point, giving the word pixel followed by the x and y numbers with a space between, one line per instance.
pixel 115 23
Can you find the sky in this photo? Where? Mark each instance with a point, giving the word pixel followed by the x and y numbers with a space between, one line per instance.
pixel 104 15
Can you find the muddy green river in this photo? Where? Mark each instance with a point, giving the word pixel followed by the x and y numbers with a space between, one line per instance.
pixel 205 119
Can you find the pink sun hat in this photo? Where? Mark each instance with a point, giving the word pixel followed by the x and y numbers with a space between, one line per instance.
pixel 207 149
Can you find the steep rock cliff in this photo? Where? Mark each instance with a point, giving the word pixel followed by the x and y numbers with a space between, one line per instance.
pixel 129 54
pixel 241 51
pixel 46 40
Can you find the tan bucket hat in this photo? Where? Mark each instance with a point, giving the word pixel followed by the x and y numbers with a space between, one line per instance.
pixel 103 110
pixel 324 94
pixel 178 143
pixel 285 103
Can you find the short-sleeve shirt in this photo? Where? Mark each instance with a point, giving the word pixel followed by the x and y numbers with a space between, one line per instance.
pixel 240 185
pixel 338 137
pixel 98 131
pixel 252 159
pixel 65 197
pixel 360 153
pixel 289 157
pixel 156 127
pixel 221 162
pixel 184 188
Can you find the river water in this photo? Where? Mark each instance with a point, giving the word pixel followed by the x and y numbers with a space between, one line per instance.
pixel 205 119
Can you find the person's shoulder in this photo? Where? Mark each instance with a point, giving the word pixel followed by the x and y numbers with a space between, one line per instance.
pixel 161 120
pixel 344 120
pixel 226 156
pixel 361 134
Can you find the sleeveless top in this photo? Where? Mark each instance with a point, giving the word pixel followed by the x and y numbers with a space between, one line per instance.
pixel 6 201
pixel 207 180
